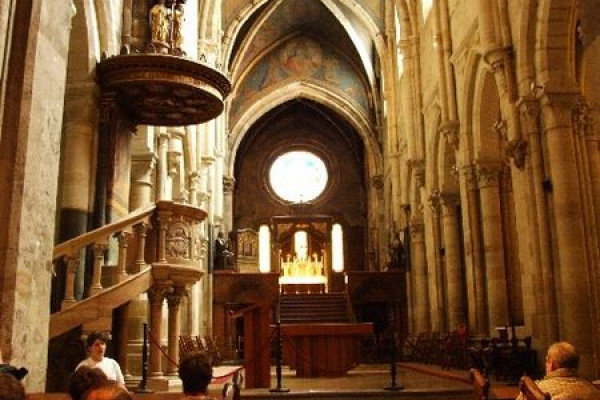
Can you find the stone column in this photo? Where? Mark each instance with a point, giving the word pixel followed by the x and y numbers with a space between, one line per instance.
pixel 156 295
pixel 142 172
pixel 419 272
pixel 228 187
pixel 163 183
pixel 491 221
pixel 572 269
pixel 122 345
pixel 435 266
pixel 455 304
pixel 218 193
pixel 194 185
pixel 545 313
pixel 478 285
pixel 174 302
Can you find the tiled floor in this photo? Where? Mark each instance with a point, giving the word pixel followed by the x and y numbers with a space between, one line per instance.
pixel 378 376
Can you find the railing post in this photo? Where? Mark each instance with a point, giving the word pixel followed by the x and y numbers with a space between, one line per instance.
pixel 174 329
pixel 72 261
pixel 141 231
pixel 123 238
pixel 143 387
pixel 393 371
pixel 278 389
pixel 99 249
pixel 156 295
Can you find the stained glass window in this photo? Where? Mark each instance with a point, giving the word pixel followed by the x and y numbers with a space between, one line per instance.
pixel 298 176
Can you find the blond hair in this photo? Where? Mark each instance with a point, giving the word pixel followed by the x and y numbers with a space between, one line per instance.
pixel 563 355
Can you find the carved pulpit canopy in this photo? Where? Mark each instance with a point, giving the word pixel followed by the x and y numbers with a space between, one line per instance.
pixel 163 89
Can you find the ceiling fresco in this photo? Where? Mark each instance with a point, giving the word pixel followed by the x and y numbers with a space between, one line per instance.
pixel 301 58
pixel 286 18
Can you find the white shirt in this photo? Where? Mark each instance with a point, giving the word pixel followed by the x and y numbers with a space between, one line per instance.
pixel 109 366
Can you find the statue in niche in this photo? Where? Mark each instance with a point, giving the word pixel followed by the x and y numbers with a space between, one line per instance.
pixel 159 26
pixel 396 252
pixel 223 256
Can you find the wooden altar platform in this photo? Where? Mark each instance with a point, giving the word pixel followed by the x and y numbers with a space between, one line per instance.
pixel 318 350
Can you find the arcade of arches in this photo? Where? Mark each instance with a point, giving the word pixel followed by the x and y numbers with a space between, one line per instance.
pixel 463 130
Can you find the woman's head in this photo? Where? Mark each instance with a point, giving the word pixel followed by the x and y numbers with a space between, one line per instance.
pixel 96 344
pixel 85 378
pixel 195 372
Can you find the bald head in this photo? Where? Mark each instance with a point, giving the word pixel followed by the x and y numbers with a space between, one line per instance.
pixel 562 355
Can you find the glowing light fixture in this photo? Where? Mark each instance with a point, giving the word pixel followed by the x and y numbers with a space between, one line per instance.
pixel 264 249
pixel 337 248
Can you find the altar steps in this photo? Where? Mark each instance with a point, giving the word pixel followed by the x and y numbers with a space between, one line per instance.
pixel 315 308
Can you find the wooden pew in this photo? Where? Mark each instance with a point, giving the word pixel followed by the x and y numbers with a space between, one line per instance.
pixel 531 391
pixel 481 385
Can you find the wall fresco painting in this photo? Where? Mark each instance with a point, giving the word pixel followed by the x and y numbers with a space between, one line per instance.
pixel 301 58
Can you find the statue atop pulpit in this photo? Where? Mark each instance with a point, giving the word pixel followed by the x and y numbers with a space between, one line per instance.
pixel 166 26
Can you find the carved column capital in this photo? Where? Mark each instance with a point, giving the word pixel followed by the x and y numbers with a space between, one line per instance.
pixel 416 228
pixel 517 150
pixel 529 107
pixel 174 297
pixel 496 59
pixel 158 292
pixel 469 175
pixel 228 184
pixel 448 199
pixel 434 202
pixel 450 130
pixel 582 118
pixel 123 238
pixel 488 174
pixel 558 108
pixel 418 169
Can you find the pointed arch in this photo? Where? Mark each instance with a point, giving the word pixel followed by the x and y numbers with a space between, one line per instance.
pixel 332 100
pixel 555 47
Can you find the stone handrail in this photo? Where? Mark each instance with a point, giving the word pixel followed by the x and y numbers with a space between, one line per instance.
pixel 98 241
pixel 66 248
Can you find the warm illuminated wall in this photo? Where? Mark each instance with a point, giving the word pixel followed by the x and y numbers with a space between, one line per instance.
pixel 304 126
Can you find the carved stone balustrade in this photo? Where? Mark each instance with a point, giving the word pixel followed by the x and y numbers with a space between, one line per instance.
pixel 175 244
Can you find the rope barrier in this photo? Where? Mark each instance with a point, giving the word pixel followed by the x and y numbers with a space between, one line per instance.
pixel 157 344
pixel 215 379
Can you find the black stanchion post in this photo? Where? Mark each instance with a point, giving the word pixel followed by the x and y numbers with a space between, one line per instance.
pixel 143 386
pixel 278 389
pixel 393 370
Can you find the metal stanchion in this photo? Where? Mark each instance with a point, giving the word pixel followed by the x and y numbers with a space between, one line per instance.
pixel 278 389
pixel 393 370
pixel 143 386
